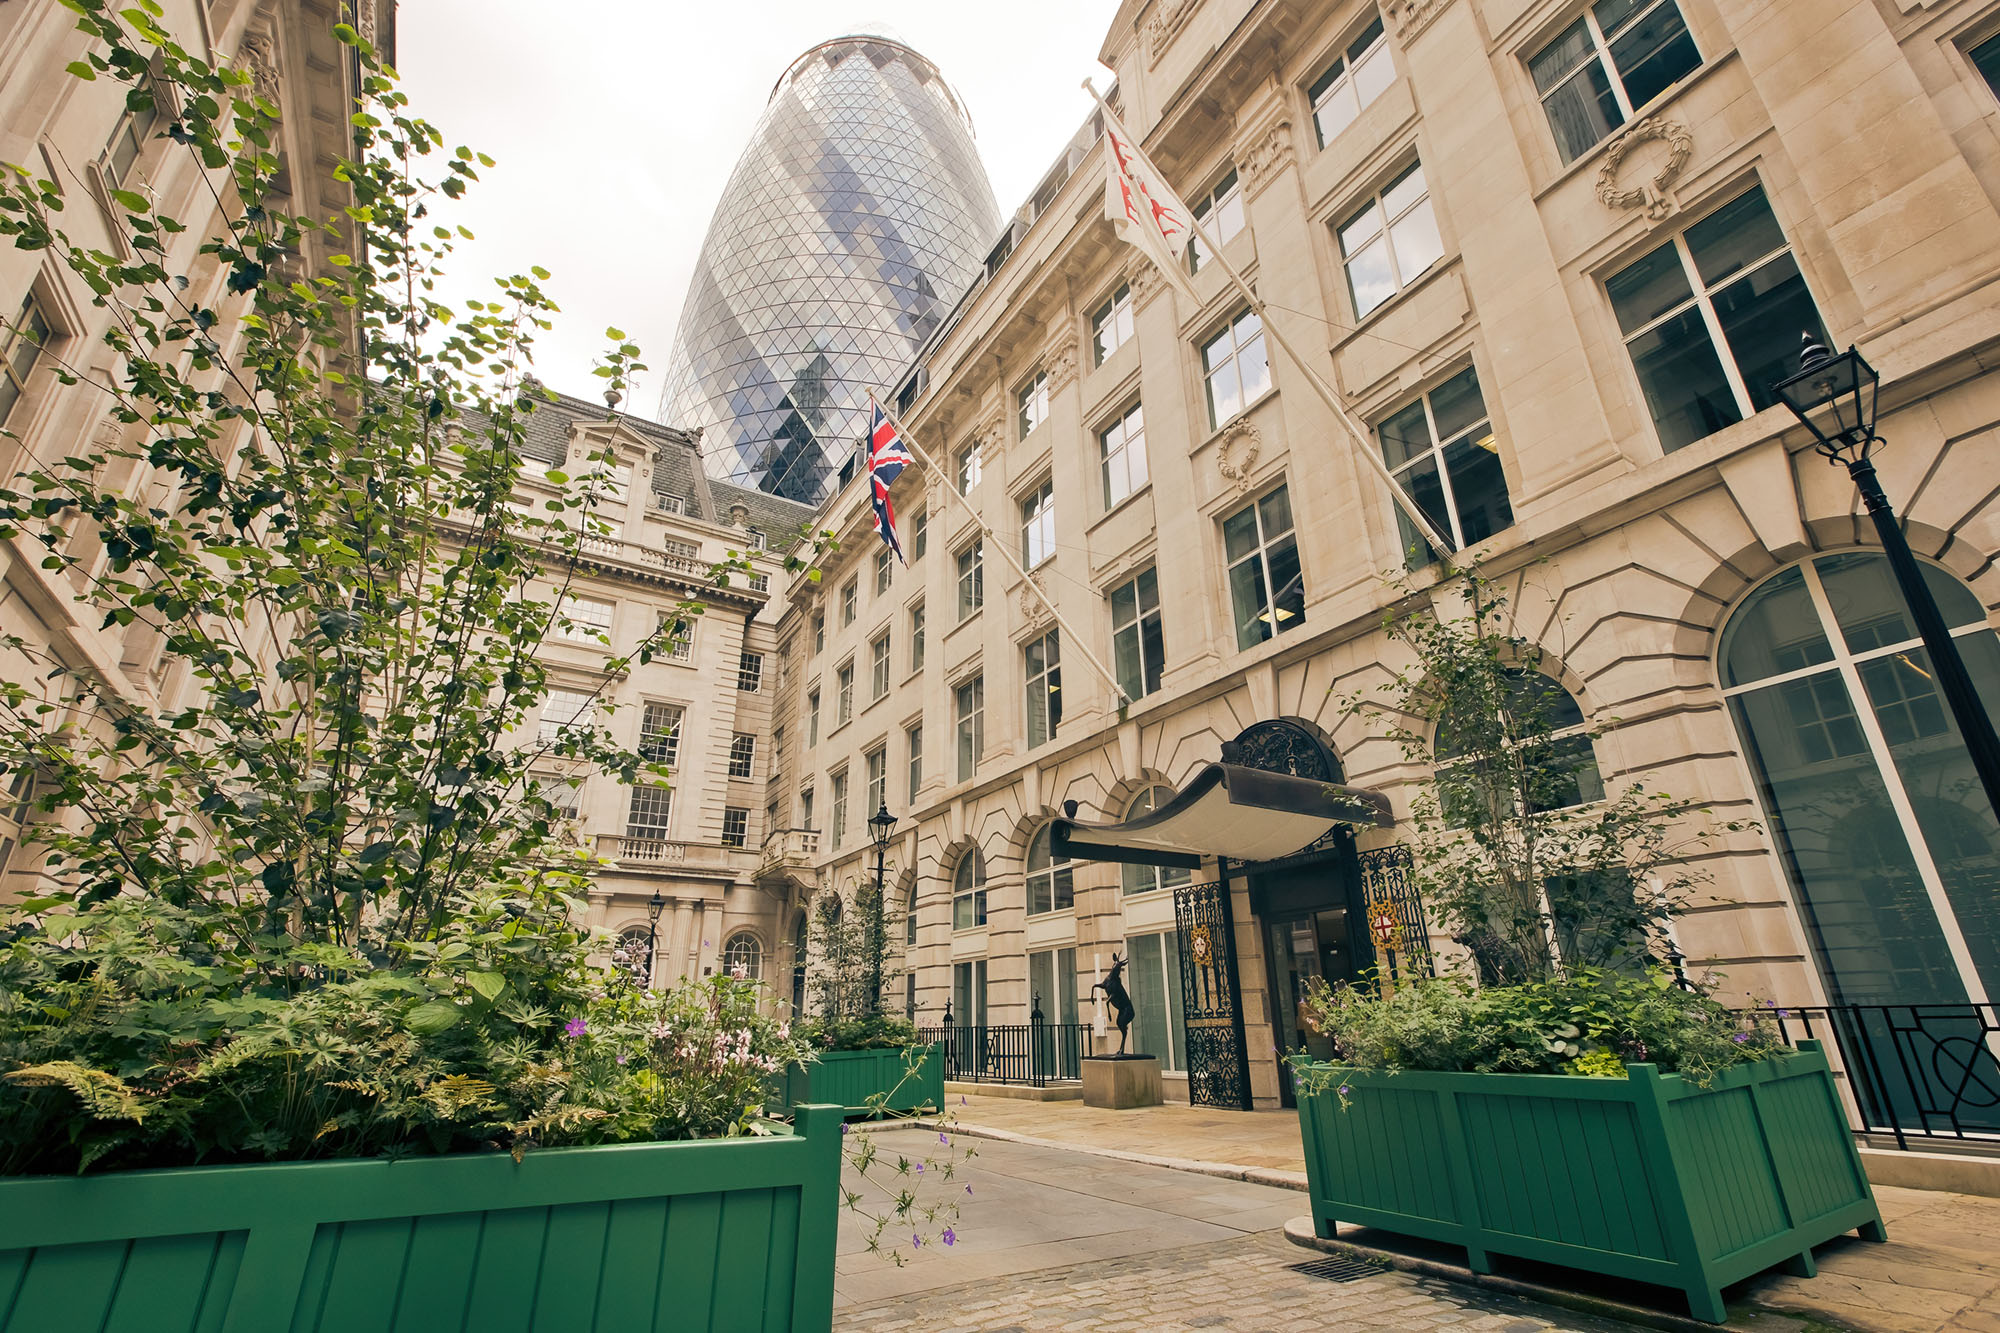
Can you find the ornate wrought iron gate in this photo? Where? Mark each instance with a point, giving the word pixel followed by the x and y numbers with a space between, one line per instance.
pixel 1211 997
pixel 1396 922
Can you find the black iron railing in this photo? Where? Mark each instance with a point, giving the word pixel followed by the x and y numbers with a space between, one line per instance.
pixel 1036 1054
pixel 1922 1074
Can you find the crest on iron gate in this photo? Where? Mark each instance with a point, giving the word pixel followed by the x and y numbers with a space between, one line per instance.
pixel 1217 1061
pixel 1397 926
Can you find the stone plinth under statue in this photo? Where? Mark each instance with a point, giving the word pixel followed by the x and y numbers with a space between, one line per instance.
pixel 1121 1082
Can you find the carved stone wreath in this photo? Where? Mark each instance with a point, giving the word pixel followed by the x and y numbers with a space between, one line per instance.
pixel 1167 19
pixel 1034 601
pixel 1236 453
pixel 1655 195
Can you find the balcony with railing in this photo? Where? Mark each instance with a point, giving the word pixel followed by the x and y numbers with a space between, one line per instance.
pixel 657 855
pixel 788 849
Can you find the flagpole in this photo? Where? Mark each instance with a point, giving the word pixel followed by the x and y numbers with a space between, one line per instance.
pixel 1326 391
pixel 1077 641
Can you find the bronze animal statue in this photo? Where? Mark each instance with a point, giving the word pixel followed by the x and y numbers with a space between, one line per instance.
pixel 1113 987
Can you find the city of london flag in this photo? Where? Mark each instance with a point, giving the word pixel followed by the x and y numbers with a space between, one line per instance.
pixel 1142 207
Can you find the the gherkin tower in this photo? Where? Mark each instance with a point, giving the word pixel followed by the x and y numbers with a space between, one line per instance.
pixel 854 220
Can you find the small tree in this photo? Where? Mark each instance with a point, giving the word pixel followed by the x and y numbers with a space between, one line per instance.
pixel 847 953
pixel 1521 850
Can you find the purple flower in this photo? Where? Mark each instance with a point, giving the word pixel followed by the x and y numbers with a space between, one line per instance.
pixel 950 1236
pixel 843 1127
pixel 916 1241
pixel 920 1168
pixel 1344 1090
pixel 621 1057
pixel 1741 1037
pixel 968 1189
pixel 576 1027
pixel 943 1139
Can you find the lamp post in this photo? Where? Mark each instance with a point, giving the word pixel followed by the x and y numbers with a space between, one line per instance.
pixel 1842 391
pixel 880 825
pixel 654 906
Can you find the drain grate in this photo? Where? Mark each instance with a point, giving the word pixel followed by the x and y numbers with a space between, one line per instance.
pixel 1337 1270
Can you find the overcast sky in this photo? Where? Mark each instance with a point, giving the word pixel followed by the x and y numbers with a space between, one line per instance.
pixel 615 124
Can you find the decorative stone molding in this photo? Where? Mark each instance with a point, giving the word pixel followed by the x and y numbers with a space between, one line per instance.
pixel 1060 362
pixel 1169 16
pixel 1236 453
pixel 257 53
pixel 1035 611
pixel 1145 279
pixel 1656 195
pixel 1410 17
pixel 1262 156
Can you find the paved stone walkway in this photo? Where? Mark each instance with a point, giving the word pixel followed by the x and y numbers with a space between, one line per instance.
pixel 1246 1285
pixel 1265 1140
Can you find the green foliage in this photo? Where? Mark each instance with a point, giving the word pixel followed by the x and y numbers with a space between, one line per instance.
pixel 852 957
pixel 1591 1022
pixel 1521 850
pixel 913 1186
pixel 311 897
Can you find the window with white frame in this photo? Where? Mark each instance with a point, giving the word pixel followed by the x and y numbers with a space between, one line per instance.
pixel 819 634
pixel 750 672
pixel 743 957
pixel 969 708
pixel 920 534
pixel 914 742
pixel 1266 586
pixel 670 504
pixel 21 346
pixel 660 734
pixel 839 813
pixel 1235 369
pixel 646 821
pixel 1390 241
pixel 1145 879
pixel 755 540
pixel 806 808
pixel 971 578
pixel 1042 663
pixel 878 667
pixel 850 601
pixel 812 718
pixel 884 570
pixel 742 754
pixel 1361 73
pixel 1712 319
pixel 1219 212
pixel 876 762
pixel 135 129
pixel 968 992
pixel 566 710
pixel 843 708
pixel 1441 451
pixel 1600 70
pixel 967 467
pixel 1121 449
pixel 1031 403
pixel 677 639
pixel 582 620
pixel 1111 324
pixel 1153 978
pixel 1051 879
pixel 1052 985
pixel 1038 525
pixel 1138 643
pixel 735 826
pixel 917 637
pixel 760 583
pixel 968 891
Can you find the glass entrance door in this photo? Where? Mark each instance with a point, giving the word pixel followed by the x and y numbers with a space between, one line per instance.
pixel 1300 949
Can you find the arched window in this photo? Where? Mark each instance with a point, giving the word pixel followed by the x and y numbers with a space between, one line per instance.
pixel 743 953
pixel 1051 880
pixel 799 938
pixel 1866 785
pixel 968 891
pixel 1481 757
pixel 634 954
pixel 1144 879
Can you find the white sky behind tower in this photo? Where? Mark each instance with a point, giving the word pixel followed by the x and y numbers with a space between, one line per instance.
pixel 615 124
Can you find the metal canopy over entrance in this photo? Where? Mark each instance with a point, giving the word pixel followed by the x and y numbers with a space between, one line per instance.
pixel 1275 802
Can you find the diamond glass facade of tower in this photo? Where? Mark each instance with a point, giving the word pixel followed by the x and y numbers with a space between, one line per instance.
pixel 854 220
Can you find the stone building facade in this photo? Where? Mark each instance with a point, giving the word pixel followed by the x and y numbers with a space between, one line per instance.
pixel 1552 253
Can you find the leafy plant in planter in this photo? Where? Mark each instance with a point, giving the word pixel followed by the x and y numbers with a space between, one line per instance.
pixel 846 956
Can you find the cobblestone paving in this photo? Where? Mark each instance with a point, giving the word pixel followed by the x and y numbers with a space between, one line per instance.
pixel 1244 1285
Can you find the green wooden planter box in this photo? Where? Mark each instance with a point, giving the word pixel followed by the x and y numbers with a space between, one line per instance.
pixel 727 1234
pixel 850 1078
pixel 1647 1177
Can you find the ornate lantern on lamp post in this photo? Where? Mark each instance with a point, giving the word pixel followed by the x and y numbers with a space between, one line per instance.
pixel 880 825
pixel 654 906
pixel 1835 397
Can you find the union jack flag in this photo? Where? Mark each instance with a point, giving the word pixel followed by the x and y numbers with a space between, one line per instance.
pixel 888 455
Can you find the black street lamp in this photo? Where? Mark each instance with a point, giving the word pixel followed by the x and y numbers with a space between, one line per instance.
pixel 654 906
pixel 880 825
pixel 1842 390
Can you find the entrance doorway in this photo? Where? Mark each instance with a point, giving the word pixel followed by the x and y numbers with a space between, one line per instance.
pixel 1309 914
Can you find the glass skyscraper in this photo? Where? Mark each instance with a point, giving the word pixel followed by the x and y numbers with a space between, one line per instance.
pixel 854 220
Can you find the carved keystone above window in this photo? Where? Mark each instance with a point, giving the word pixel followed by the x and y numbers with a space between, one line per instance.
pixel 1236 453
pixel 1263 154
pixel 1059 362
pixel 1655 194
pixel 1410 17
pixel 1145 278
